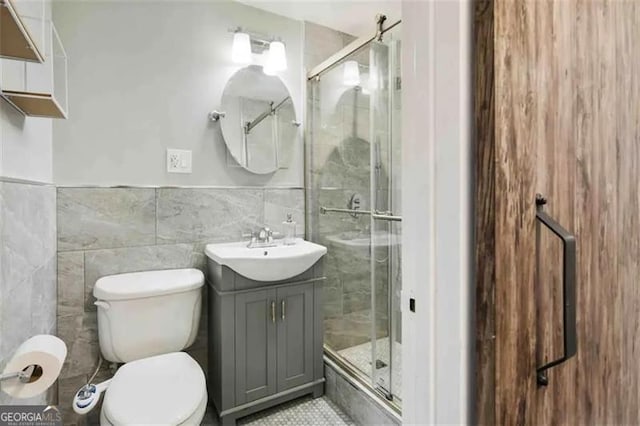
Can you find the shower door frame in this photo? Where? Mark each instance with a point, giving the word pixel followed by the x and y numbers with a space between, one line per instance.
pixel 375 215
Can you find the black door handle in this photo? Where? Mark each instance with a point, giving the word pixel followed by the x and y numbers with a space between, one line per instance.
pixel 568 290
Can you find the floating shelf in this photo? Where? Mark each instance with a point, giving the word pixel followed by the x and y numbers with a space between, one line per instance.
pixel 35 104
pixel 15 40
pixel 38 90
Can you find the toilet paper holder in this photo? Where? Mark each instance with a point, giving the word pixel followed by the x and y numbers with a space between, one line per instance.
pixel 23 375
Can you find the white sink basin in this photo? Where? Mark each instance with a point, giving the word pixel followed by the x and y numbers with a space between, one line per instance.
pixel 268 263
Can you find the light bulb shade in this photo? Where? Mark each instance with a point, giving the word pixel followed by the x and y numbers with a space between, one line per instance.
pixel 267 67
pixel 351 76
pixel 277 57
pixel 373 80
pixel 366 84
pixel 241 49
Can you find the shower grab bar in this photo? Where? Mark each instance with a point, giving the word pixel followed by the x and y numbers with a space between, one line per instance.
pixel 568 290
pixel 374 214
pixel 384 216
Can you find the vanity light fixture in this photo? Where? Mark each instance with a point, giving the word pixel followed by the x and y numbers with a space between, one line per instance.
pixel 277 57
pixel 241 49
pixel 351 74
pixel 270 49
pixel 267 65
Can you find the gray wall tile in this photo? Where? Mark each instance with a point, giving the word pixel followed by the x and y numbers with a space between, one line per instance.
pixel 208 215
pixel 357 404
pixel 44 299
pixel 67 387
pixel 70 283
pixel 96 218
pixel 322 42
pixel 82 344
pixel 27 270
pixel 28 230
pixel 99 263
pixel 279 202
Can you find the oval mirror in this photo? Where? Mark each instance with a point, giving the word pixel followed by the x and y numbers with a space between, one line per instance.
pixel 259 125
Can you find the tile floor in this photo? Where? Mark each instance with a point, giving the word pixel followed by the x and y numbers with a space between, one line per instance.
pixel 300 412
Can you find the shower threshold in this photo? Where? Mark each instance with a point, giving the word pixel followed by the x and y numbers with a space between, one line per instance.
pixel 357 376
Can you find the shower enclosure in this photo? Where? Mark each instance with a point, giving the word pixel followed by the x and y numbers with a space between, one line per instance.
pixel 353 207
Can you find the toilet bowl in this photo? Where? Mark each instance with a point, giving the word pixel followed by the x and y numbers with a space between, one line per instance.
pixel 145 320
pixel 168 389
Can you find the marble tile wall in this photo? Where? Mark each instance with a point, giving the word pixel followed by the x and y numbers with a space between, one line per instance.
pixel 104 231
pixel 355 403
pixel 27 271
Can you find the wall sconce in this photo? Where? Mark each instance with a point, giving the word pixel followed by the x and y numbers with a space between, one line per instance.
pixel 273 52
pixel 267 66
pixel 241 49
pixel 351 74
pixel 277 58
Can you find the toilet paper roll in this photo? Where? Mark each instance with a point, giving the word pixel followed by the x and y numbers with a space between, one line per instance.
pixel 47 353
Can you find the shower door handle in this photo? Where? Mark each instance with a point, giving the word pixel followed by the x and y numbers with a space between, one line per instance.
pixel 568 290
pixel 386 216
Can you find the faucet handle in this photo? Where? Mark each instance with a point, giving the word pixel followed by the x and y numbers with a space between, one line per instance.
pixel 249 235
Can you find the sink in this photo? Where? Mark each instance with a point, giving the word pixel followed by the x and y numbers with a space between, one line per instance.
pixel 267 263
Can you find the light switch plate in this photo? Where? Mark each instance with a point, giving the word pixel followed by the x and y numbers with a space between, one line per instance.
pixel 178 161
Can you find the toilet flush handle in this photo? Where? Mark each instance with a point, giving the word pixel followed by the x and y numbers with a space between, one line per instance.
pixel 102 304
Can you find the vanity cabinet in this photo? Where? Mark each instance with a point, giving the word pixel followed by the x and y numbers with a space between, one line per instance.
pixel 265 340
pixel 255 332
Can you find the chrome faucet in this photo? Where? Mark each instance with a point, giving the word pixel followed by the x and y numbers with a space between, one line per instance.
pixel 261 238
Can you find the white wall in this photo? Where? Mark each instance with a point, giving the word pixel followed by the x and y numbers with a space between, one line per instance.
pixel 436 209
pixel 348 16
pixel 143 76
pixel 25 143
pixel 25 146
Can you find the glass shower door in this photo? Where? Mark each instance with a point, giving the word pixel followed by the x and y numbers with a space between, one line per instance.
pixel 353 177
pixel 385 223
pixel 338 164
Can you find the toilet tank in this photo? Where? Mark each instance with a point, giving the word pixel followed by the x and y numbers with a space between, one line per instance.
pixel 142 314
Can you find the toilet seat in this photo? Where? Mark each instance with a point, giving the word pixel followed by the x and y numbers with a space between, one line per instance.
pixel 168 389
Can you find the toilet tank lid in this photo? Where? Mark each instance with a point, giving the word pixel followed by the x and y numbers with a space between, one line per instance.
pixel 148 283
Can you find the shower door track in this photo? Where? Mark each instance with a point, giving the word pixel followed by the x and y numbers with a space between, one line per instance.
pixel 346 51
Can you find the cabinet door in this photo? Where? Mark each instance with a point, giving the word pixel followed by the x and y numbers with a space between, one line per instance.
pixel 256 317
pixel 295 336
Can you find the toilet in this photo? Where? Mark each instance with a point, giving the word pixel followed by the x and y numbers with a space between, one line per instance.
pixel 144 320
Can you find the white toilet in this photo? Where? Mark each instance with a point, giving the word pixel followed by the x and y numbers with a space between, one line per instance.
pixel 144 320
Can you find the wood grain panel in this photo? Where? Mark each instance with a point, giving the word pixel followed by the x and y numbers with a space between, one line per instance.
pixel 567 124
pixel 484 201
pixel 15 40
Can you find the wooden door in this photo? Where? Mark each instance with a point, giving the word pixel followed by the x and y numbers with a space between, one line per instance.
pixel 295 336
pixel 255 330
pixel 557 112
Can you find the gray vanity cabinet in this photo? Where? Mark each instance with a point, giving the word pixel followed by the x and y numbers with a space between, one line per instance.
pixel 265 340
pixel 255 335
pixel 295 336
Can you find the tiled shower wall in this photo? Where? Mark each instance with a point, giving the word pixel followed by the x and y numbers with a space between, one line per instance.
pixel 27 270
pixel 103 231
